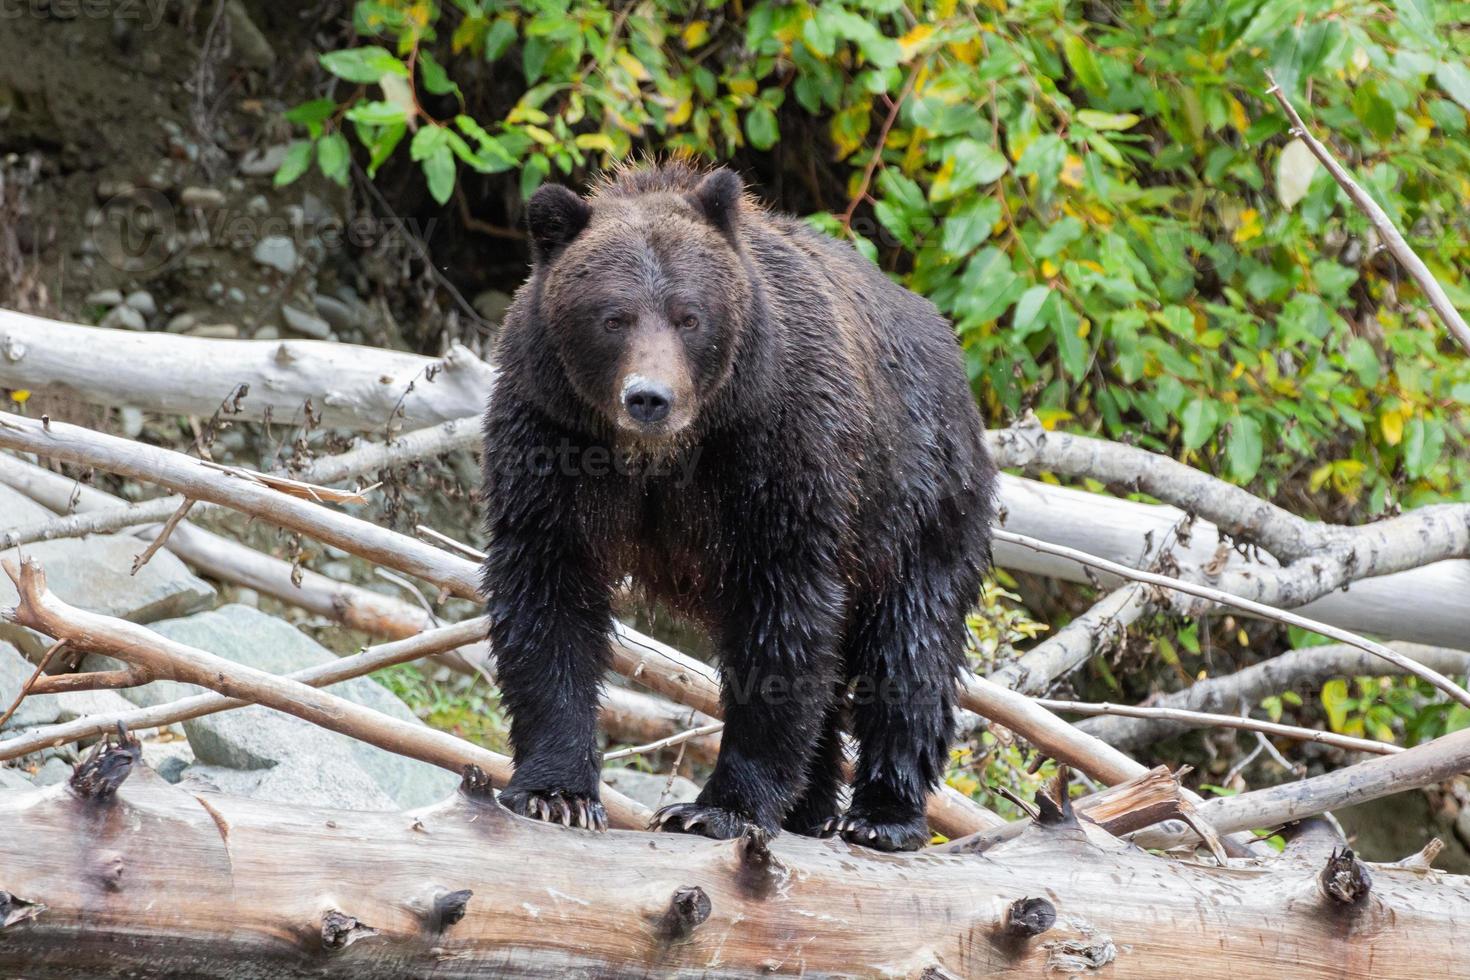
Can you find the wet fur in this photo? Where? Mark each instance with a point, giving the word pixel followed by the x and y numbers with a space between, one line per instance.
pixel 832 528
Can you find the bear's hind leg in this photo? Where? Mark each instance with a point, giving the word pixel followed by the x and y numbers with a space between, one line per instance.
pixel 904 652
pixel 819 801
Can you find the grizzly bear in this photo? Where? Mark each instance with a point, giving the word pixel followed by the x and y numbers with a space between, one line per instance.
pixel 764 433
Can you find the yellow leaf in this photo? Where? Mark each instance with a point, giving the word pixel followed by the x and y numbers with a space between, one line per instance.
pixel 1049 417
pixel 540 135
pixel 1071 174
pixel 20 396
pixel 1238 118
pixel 681 112
pixel 1392 425
pixel 1085 328
pixel 911 42
pixel 967 52
pixel 632 66
pixel 596 141
pixel 1048 268
pixel 1249 227
pixel 695 34
pixel 1237 371
pixel 741 86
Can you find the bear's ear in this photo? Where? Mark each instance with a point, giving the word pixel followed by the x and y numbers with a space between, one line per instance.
pixel 718 198
pixel 555 216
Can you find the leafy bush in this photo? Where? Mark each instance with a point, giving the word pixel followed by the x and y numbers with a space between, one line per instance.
pixel 1101 197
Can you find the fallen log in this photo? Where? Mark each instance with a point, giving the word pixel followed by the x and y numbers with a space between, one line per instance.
pixel 155 880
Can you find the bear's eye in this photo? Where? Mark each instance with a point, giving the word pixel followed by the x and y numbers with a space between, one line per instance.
pixel 689 322
pixel 613 323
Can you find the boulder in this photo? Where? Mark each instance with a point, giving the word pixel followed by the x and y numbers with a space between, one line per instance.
pixel 257 739
pixel 14 779
pixel 47 709
pixel 18 510
pixel 651 789
pixel 92 574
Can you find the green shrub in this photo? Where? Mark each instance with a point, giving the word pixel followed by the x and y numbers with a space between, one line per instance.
pixel 1101 197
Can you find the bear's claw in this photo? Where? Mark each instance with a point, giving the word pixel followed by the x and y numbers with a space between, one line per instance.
pixel 699 818
pixel 879 835
pixel 556 806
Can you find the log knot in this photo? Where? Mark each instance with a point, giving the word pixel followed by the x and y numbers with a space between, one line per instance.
pixel 450 907
pixel 340 930
pixel 15 909
pixel 107 766
pixel 1345 879
pixel 688 909
pixel 1028 917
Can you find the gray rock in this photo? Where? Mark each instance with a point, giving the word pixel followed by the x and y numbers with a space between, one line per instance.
pixel 93 574
pixel 648 788
pixel 15 670
pixel 327 781
pixel 131 420
pixel 202 197
pixel 248 43
pixel 123 318
pixel 168 757
pixel 18 510
pixel 340 315
pixel 143 302
pixel 304 323
pixel 258 205
pixel 181 322
pixel 218 331
pixel 104 297
pixel 278 252
pixel 14 779
pixel 53 772
pixel 491 304
pixel 259 163
pixel 257 738
pixel 235 295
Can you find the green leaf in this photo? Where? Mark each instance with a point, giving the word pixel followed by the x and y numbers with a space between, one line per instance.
pixel 502 35
pixel 428 141
pixel 1084 65
pixel 296 163
pixel 1362 360
pixel 968 226
pixel 334 157
pixel 439 169
pixel 1423 443
pixel 1107 120
pixel 1243 449
pixel 1199 422
pixel 312 115
pixel 1071 345
pixel 436 79
pixel 969 163
pixel 1454 78
pixel 761 128
pixel 1030 314
pixel 377 114
pixel 381 142
pixel 363 65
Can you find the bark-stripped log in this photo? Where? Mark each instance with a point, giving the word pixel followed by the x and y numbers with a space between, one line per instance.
pixel 362 388
pixel 161 882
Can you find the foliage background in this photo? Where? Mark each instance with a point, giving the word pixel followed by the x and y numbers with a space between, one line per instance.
pixel 1101 196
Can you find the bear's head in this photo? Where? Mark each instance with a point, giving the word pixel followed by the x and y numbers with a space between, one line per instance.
pixel 644 294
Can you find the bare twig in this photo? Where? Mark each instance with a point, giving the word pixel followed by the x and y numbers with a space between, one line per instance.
pixel 664 743
pixel 1434 677
pixel 458 547
pixel 162 538
pixel 1200 719
pixel 30 684
pixel 1380 220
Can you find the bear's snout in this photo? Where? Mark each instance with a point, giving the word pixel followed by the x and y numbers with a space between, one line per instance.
pixel 647 402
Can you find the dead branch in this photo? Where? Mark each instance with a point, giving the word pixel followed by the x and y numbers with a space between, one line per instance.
pixel 1380 220
pixel 165 658
pixel 1074 644
pixel 1295 670
pixel 1219 597
pixel 1200 719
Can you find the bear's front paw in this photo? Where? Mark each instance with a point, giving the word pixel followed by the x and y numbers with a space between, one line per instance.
pixel 700 818
pixel 556 806
pixel 879 832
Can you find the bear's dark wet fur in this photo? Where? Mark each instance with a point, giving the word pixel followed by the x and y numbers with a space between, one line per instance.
pixel 768 435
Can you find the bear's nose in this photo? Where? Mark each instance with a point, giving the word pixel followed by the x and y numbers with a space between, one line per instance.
pixel 648 401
